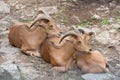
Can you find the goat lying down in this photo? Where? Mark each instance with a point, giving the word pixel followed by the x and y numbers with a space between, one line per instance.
pixel 61 55
pixel 92 62
pixel 28 37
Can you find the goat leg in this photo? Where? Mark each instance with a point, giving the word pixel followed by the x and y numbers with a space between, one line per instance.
pixel 33 53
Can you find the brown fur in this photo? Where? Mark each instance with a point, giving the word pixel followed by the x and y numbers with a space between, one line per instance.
pixel 62 55
pixel 93 62
pixel 29 40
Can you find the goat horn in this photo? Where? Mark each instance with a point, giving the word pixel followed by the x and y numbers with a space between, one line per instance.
pixel 39 12
pixel 69 34
pixel 91 33
pixel 39 18
pixel 81 30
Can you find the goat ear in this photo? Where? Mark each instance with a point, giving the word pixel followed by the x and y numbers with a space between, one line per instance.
pixel 91 33
pixel 82 31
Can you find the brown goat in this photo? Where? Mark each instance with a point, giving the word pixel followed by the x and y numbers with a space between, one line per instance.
pixel 92 62
pixel 29 37
pixel 61 55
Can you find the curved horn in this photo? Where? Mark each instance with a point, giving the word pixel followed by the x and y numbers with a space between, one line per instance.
pixel 91 33
pixel 69 34
pixel 39 12
pixel 40 18
pixel 81 30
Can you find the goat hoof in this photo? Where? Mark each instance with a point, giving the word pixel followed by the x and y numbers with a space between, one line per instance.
pixel 59 69
pixel 31 53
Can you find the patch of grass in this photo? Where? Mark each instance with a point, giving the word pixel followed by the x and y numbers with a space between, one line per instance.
pixel 105 22
pixel 84 23
pixel 118 18
pixel 92 44
pixel 81 78
pixel 25 20
pixel 64 21
pixel 92 17
pixel 21 76
pixel 118 12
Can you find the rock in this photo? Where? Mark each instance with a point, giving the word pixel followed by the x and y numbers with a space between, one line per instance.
pixel 96 16
pixel 5 75
pixel 4 25
pixel 12 69
pixel 20 6
pixel 102 76
pixel 117 65
pixel 103 37
pixel 104 1
pixel 103 11
pixel 50 9
pixel 113 3
pixel 28 72
pixel 96 30
pixel 6 48
pixel 114 42
pixel 113 31
pixel 87 30
pixel 111 20
pixel 115 26
pixel 4 8
pixel 117 73
pixel 4 33
pixel 118 48
pixel 102 8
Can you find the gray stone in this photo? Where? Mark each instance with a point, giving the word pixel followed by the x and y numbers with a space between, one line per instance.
pixel 96 16
pixel 50 9
pixel 117 65
pixel 5 75
pixel 102 76
pixel 103 37
pixel 11 68
pixel 20 6
pixel 4 33
pixel 96 30
pixel 113 3
pixel 117 73
pixel 87 30
pixel 102 8
pixel 4 24
pixel 4 8
pixel 28 72
pixel 111 20
pixel 6 48
pixel 116 26
pixel 113 31
pixel 118 48
pixel 115 42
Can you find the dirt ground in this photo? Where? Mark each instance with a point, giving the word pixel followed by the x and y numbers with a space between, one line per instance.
pixel 70 13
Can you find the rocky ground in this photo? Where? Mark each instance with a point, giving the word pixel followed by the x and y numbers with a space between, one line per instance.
pixel 100 16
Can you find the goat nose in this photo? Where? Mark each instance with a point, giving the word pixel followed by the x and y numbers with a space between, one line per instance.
pixel 90 49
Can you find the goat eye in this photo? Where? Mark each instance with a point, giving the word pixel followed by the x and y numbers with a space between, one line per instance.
pixel 51 27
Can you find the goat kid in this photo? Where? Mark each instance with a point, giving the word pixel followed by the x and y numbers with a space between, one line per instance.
pixel 28 39
pixel 61 55
pixel 92 62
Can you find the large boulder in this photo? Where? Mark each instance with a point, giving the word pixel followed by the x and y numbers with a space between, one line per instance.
pixel 103 76
pixel 4 8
